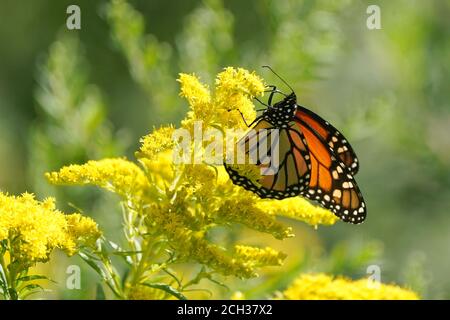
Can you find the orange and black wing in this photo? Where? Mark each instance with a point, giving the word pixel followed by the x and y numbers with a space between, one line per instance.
pixel 331 184
pixel 332 137
pixel 286 177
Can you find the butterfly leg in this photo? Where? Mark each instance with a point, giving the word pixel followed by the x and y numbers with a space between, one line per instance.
pixel 264 104
pixel 252 123
pixel 273 90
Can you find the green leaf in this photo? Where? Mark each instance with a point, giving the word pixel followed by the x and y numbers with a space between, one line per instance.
pixel 34 277
pixel 3 247
pixel 32 286
pixel 13 294
pixel 93 265
pixel 126 253
pixel 164 287
pixel 115 246
pixel 30 289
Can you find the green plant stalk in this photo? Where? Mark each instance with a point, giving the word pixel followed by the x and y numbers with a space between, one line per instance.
pixel 140 269
pixel 6 273
pixel 10 274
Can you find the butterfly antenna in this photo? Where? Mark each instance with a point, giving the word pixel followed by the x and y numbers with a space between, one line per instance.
pixel 268 67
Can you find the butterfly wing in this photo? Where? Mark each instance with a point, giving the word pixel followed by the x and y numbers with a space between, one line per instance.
pixel 331 184
pixel 331 136
pixel 289 176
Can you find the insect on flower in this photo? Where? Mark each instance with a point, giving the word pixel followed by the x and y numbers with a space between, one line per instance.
pixel 315 159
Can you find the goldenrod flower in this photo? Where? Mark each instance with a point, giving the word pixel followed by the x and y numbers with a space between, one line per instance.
pixel 242 208
pixel 198 96
pixel 81 230
pixel 158 141
pixel 325 287
pixel 33 229
pixel 233 95
pixel 160 168
pixel 260 257
pixel 117 175
pixel 234 90
pixel 299 209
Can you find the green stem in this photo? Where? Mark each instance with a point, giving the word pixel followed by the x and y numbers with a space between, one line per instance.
pixel 142 264
pixel 6 278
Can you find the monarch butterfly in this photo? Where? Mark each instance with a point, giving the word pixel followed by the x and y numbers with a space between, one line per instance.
pixel 316 160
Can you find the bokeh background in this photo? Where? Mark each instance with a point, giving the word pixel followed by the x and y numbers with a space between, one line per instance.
pixel 69 96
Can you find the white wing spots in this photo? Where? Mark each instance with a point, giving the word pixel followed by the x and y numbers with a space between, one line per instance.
pixel 337 193
pixel 335 174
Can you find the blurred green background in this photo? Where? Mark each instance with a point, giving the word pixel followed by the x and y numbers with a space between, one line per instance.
pixel 69 96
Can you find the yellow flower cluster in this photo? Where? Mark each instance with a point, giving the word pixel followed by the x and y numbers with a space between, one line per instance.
pixel 299 209
pixel 325 287
pixel 180 203
pixel 117 175
pixel 198 96
pixel 242 207
pixel 260 257
pixel 158 141
pixel 235 89
pixel 187 239
pixel 32 229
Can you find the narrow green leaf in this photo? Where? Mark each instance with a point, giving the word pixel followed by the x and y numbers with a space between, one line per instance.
pixel 32 286
pixel 164 287
pixel 34 277
pixel 93 265
pixel 13 294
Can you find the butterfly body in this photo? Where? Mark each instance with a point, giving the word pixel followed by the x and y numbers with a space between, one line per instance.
pixel 316 161
pixel 282 112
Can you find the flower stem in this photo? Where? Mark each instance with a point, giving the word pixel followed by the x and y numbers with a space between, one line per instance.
pixel 5 278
